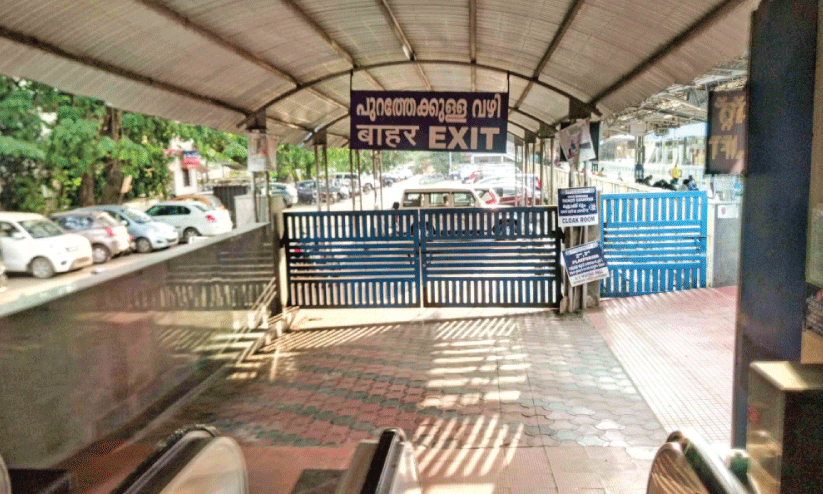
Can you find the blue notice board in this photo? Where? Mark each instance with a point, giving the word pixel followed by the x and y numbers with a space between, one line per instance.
pixel 585 263
pixel 577 206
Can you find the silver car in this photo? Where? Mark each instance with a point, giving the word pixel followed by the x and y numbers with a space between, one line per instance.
pixel 108 237
pixel 149 235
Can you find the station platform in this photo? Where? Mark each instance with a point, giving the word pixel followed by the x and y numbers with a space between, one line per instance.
pixel 495 401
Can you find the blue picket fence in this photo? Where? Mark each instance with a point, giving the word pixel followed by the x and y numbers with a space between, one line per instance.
pixel 479 257
pixel 653 242
pixel 438 258
pixel 353 259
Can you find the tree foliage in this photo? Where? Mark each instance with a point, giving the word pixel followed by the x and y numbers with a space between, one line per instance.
pixel 59 150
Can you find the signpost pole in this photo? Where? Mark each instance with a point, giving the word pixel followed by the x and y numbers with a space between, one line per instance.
pixel 551 170
pixel 352 183
pixel 540 157
pixel 380 168
pixel 359 182
pixel 326 167
pixel 317 179
pixel 374 175
pixel 254 196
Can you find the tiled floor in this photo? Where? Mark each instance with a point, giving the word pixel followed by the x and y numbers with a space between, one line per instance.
pixel 678 348
pixel 495 401
pixel 527 380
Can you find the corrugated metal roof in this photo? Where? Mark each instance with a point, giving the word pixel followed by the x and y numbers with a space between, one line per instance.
pixel 214 62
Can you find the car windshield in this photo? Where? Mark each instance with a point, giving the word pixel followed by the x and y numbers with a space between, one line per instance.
pixel 136 216
pixel 41 228
pixel 200 206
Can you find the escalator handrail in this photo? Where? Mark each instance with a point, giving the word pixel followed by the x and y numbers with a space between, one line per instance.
pixel 388 448
pixel 708 465
pixel 152 466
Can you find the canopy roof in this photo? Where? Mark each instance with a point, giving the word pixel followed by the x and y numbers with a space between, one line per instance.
pixel 218 62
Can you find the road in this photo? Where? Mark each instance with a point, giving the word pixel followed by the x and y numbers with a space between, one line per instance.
pixel 23 285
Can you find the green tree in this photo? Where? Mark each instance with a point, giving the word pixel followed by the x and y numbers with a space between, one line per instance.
pixel 22 177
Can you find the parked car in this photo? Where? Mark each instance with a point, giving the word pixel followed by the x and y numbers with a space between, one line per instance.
pixel 442 197
pixel 191 219
pixel 33 244
pixel 510 194
pixel 108 237
pixel 209 200
pixel 287 191
pixel 148 234
pixel 306 191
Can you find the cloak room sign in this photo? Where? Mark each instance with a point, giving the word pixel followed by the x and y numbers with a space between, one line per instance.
pixel 429 121
pixel 726 142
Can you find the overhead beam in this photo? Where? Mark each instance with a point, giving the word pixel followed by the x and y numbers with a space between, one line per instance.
pixel 295 126
pixel 215 38
pixel 33 42
pixel 473 40
pixel 318 29
pixel 108 68
pixel 491 68
pixel 326 126
pixel 673 113
pixel 555 42
pixel 698 27
pixel 408 50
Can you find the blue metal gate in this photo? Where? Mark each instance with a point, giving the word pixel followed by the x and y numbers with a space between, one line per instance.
pixel 470 257
pixel 353 259
pixel 490 257
pixel 653 242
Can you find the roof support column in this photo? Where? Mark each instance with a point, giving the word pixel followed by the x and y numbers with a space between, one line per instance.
pixel 352 183
pixel 257 126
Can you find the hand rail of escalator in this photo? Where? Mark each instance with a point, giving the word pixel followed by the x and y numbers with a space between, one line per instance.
pixel 383 462
pixel 690 462
pixel 188 461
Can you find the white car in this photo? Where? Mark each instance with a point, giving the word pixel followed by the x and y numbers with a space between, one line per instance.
pixel 442 197
pixel 32 244
pixel 192 219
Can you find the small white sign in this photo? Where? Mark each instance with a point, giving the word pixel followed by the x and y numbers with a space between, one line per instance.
pixel 577 206
pixel 585 263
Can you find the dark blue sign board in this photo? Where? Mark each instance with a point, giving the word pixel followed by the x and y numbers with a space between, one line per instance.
pixel 429 121
pixel 577 206
pixel 585 263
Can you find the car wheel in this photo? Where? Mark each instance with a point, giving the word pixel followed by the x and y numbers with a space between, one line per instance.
pixel 189 234
pixel 100 254
pixel 41 267
pixel 143 245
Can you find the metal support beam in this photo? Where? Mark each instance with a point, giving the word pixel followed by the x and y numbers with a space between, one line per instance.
pixel 317 178
pixel 401 37
pixel 55 50
pixel 555 42
pixel 215 38
pixel 35 43
pixel 326 167
pixel 491 68
pixel 473 41
pixel 351 179
pixel 706 21
pixel 318 29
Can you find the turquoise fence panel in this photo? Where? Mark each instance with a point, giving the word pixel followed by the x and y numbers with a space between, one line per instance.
pixel 653 242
